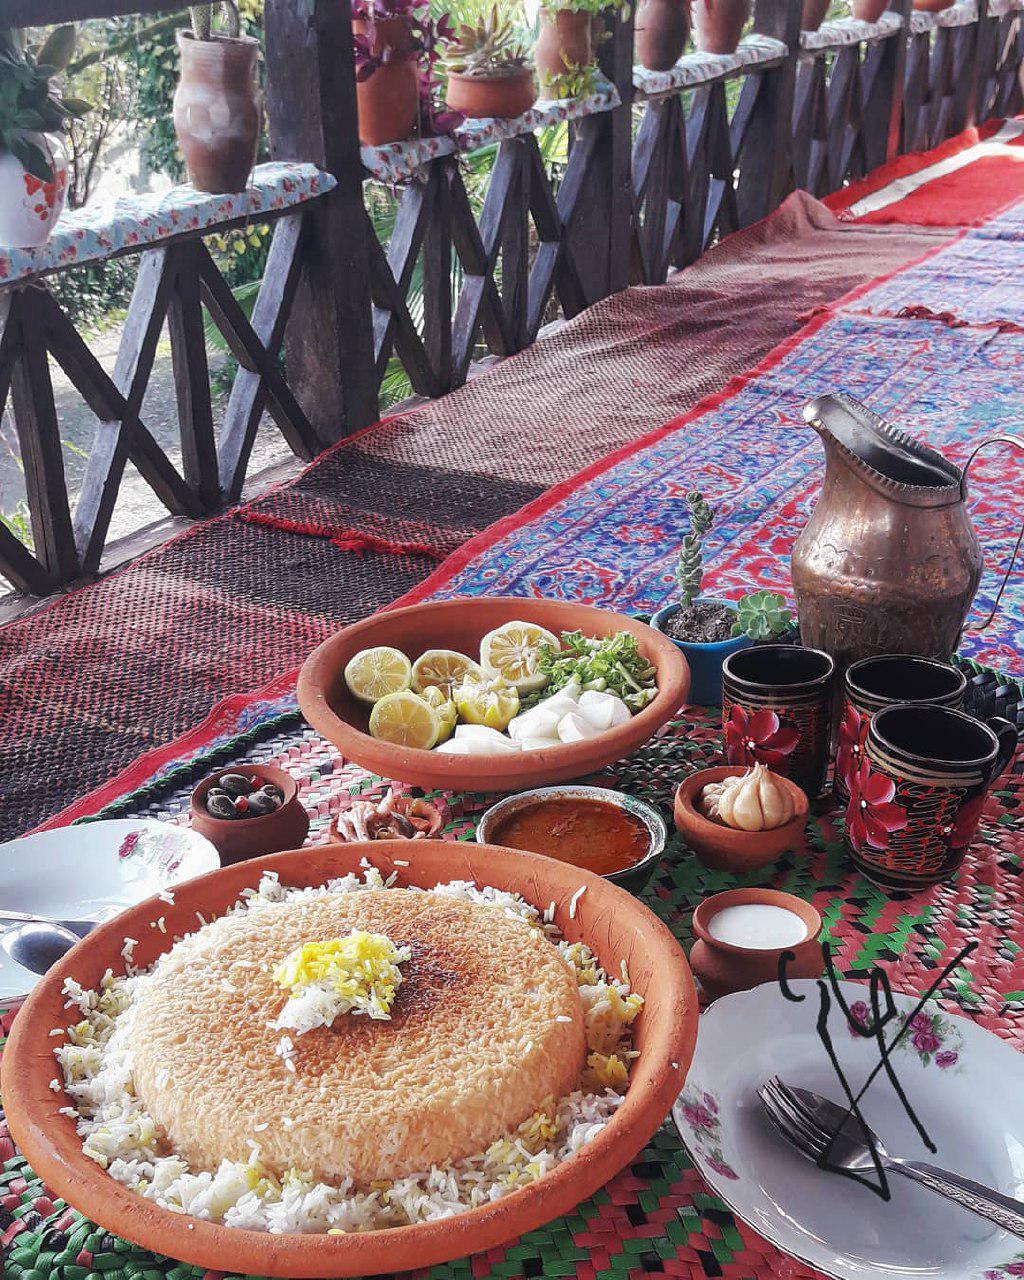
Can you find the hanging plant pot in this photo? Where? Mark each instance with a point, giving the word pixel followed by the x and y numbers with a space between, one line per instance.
pixel 565 44
pixel 497 97
pixel 218 110
pixel 718 24
pixel 29 205
pixel 388 98
pixel 869 10
pixel 661 31
pixel 813 14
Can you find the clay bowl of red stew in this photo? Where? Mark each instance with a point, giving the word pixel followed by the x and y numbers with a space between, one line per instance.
pixel 602 831
pixel 461 625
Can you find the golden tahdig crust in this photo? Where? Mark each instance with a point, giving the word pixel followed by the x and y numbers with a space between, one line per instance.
pixel 473 1047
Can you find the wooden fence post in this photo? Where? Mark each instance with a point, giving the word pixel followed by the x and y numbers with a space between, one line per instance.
pixel 766 175
pixel 311 109
pixel 605 216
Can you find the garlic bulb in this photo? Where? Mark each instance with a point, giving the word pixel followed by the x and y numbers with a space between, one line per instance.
pixel 753 801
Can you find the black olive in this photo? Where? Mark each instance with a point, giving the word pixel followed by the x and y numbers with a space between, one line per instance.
pixel 221 806
pixel 274 791
pixel 235 784
pixel 260 802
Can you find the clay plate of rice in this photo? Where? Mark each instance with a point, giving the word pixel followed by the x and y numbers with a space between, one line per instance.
pixel 352 1059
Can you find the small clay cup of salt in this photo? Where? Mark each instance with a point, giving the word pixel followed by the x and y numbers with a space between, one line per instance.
pixel 747 952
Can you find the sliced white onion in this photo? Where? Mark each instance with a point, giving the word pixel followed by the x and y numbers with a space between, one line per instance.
pixel 573 728
pixel 483 739
pixel 538 722
pixel 539 744
pixel 603 710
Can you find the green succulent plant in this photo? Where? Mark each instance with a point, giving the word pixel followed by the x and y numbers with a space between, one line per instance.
pixel 487 48
pixel 574 82
pixel 762 615
pixel 30 100
pixel 690 568
pixel 203 15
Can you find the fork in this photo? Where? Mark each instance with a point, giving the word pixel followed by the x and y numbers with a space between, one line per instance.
pixel 819 1128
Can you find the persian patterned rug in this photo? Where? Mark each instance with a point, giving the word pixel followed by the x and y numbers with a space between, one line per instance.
pixel 109 672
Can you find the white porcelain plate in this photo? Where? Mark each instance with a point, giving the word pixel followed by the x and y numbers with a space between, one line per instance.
pixel 91 872
pixel 965 1084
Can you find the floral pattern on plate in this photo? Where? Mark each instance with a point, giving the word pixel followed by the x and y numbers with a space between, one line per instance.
pixel 1006 1269
pixel 932 1037
pixel 700 1111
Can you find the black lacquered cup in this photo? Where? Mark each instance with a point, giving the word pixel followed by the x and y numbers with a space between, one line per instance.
pixel 874 683
pixel 917 797
pixel 776 710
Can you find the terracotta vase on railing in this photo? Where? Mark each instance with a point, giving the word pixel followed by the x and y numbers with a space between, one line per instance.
pixel 218 110
pixel 718 24
pixel 566 42
pixel 388 99
pixel 813 14
pixel 933 6
pixel 661 31
pixel 869 10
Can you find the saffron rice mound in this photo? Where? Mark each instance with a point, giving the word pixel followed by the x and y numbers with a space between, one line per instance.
pixel 506 1050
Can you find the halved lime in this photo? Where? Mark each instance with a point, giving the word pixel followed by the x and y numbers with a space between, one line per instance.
pixel 488 702
pixel 406 720
pixel 447 712
pixel 513 650
pixel 374 673
pixel 442 669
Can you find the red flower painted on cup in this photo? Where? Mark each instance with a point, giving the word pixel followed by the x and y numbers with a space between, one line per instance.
pixel 853 734
pixel 871 816
pixel 761 738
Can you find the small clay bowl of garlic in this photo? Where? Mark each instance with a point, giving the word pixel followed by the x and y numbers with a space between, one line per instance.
pixel 737 819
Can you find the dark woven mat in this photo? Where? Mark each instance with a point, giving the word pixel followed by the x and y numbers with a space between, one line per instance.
pixel 656 1217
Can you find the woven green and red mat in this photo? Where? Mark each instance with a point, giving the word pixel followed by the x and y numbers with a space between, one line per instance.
pixel 656 1217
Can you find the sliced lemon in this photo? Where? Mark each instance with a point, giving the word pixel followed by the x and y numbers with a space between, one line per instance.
pixel 374 673
pixel 512 651
pixel 442 669
pixel 406 720
pixel 447 712
pixel 492 703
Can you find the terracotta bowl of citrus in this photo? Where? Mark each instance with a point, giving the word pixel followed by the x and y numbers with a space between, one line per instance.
pixel 492 694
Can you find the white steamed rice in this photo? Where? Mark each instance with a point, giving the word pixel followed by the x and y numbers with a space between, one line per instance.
pixel 122 1138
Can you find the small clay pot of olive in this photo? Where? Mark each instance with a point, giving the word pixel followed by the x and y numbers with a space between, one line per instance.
pixel 249 810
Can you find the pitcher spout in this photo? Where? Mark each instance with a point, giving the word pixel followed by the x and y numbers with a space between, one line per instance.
pixel 884 458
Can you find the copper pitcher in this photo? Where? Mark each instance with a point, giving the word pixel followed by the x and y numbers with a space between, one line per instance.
pixel 889 561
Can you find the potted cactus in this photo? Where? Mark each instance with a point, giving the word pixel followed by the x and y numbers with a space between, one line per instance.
pixel 490 73
pixel 706 628
pixel 218 107
pixel 33 113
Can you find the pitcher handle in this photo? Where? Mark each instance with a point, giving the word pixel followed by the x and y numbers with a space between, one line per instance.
pixel 1018 441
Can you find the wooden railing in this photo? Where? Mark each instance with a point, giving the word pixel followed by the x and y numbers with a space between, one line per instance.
pixel 653 174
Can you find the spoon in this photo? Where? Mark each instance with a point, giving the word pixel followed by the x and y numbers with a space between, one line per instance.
pixel 80 927
pixel 38 945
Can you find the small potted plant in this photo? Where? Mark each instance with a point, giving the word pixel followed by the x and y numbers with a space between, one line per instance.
pixel 490 73
pixel 566 50
pixel 218 107
pixel 708 629
pixel 718 24
pixel 33 113
pixel 661 31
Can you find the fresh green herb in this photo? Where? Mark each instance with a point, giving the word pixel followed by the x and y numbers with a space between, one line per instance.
pixel 614 665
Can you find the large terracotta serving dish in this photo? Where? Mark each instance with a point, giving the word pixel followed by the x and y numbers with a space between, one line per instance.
pixel 613 923
pixel 461 624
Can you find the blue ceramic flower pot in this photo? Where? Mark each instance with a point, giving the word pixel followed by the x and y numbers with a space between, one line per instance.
pixel 705 659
